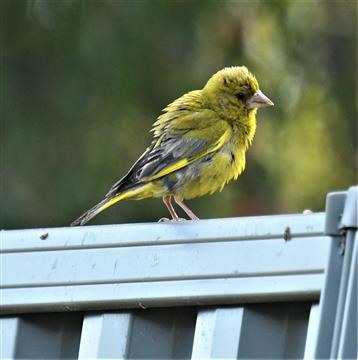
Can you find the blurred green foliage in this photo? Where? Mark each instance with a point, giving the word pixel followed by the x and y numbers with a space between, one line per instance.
pixel 82 81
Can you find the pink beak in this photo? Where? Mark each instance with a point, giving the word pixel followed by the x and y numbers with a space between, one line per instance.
pixel 258 100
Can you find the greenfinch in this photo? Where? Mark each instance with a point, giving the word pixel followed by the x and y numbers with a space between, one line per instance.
pixel 199 144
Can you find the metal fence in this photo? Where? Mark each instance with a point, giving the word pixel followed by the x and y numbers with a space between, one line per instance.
pixel 280 286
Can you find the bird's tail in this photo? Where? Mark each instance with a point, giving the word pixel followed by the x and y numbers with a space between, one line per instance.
pixel 139 192
pixel 91 213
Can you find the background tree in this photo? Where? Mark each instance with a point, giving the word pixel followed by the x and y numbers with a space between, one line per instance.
pixel 82 81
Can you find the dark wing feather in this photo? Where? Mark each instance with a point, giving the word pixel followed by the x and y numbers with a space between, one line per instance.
pixel 154 160
pixel 175 148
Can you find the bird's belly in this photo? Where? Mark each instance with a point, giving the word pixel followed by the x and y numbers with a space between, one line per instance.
pixel 209 174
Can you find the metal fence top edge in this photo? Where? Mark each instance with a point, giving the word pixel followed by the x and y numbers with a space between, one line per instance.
pixel 139 234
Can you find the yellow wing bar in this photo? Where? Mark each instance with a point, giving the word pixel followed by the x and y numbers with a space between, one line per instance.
pixel 184 162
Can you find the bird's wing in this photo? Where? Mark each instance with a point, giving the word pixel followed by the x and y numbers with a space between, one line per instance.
pixel 181 142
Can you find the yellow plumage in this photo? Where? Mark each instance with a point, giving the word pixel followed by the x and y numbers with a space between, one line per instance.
pixel 199 144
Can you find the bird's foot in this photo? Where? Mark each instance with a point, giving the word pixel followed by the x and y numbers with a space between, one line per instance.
pixel 166 220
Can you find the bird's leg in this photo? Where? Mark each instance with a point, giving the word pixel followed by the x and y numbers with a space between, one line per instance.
pixel 186 209
pixel 168 204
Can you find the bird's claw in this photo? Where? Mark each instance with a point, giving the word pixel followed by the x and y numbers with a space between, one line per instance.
pixel 166 220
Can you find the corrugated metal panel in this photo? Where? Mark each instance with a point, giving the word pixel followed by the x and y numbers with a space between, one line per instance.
pixel 211 261
pixel 153 333
pixel 338 301
pixel 262 331
pixel 41 336
pixel 250 287
pixel 217 332
pixel 105 335
pixel 253 331
pixel 348 338
pixel 312 332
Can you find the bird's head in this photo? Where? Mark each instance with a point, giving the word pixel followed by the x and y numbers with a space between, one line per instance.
pixel 234 92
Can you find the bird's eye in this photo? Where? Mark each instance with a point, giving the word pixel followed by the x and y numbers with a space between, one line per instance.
pixel 241 96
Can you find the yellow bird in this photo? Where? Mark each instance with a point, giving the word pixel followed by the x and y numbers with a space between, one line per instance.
pixel 199 144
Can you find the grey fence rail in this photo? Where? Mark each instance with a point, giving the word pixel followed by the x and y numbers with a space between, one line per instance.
pixel 281 286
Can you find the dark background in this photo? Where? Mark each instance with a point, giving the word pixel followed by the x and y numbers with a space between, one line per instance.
pixel 82 82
